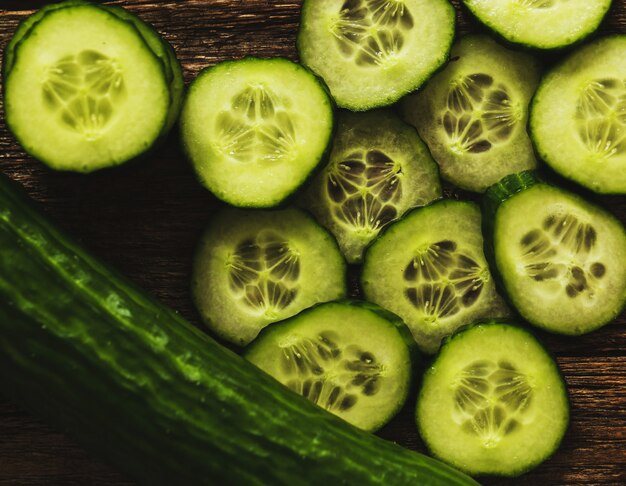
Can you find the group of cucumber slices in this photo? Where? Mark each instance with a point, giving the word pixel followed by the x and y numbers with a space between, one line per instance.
pixel 365 189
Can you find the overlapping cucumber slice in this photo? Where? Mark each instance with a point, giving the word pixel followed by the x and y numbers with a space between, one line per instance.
pixel 352 358
pixel 493 401
pixel 256 129
pixel 102 94
pixel 378 169
pixel 473 114
pixel 257 267
pixel 541 24
pixel 372 52
pixel 578 116
pixel 429 268
pixel 560 258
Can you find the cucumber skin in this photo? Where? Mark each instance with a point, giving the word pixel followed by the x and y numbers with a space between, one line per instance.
pixel 498 194
pixel 497 322
pixel 140 386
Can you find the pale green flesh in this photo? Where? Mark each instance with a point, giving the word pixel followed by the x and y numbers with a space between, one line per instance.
pixel 429 269
pixel 253 268
pixel 378 169
pixel 578 119
pixel 544 24
pixel 95 81
pixel 372 52
pixel 493 402
pixel 255 129
pixel 561 260
pixel 344 358
pixel 473 114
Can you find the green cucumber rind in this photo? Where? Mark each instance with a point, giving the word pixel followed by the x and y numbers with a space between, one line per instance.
pixel 530 334
pixel 140 154
pixel 540 152
pixel 397 322
pixel 507 41
pixel 289 198
pixel 389 100
pixel 498 194
pixel 181 430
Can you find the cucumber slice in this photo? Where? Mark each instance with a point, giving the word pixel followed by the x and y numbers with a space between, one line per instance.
pixel 257 267
pixel 541 24
pixel 351 358
pixel 372 52
pixel 378 169
pixel 493 401
pixel 473 114
pixel 256 129
pixel 578 116
pixel 85 92
pixel 559 257
pixel 429 268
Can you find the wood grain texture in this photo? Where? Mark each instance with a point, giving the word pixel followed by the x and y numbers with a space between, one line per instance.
pixel 145 220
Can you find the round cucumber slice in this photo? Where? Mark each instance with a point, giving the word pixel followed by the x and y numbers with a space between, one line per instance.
pixel 351 358
pixel 372 52
pixel 85 92
pixel 473 114
pixel 429 268
pixel 578 116
pixel 541 24
pixel 560 258
pixel 378 169
pixel 257 267
pixel 493 401
pixel 256 129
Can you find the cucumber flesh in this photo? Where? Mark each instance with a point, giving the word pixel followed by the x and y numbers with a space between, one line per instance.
pixel 577 116
pixel 378 169
pixel 257 267
pixel 372 52
pixel 560 258
pixel 541 24
pixel 351 358
pixel 255 129
pixel 98 98
pixel 493 401
pixel 429 268
pixel 473 114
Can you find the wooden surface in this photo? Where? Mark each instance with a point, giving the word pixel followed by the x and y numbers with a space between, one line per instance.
pixel 145 219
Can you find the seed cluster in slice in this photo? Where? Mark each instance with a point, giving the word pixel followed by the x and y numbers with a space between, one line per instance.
pixel 378 169
pixel 560 258
pixel 257 267
pixel 493 401
pixel 542 24
pixel 429 268
pixel 255 129
pixel 372 52
pixel 351 358
pixel 578 116
pixel 473 114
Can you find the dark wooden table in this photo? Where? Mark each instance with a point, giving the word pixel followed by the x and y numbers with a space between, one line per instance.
pixel 145 219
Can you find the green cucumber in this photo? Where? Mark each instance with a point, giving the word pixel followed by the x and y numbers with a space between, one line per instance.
pixel 429 269
pixel 560 258
pixel 541 24
pixel 372 52
pixel 352 358
pixel 140 386
pixel 378 169
pixel 578 121
pixel 473 114
pixel 256 129
pixel 257 267
pixel 99 91
pixel 493 401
